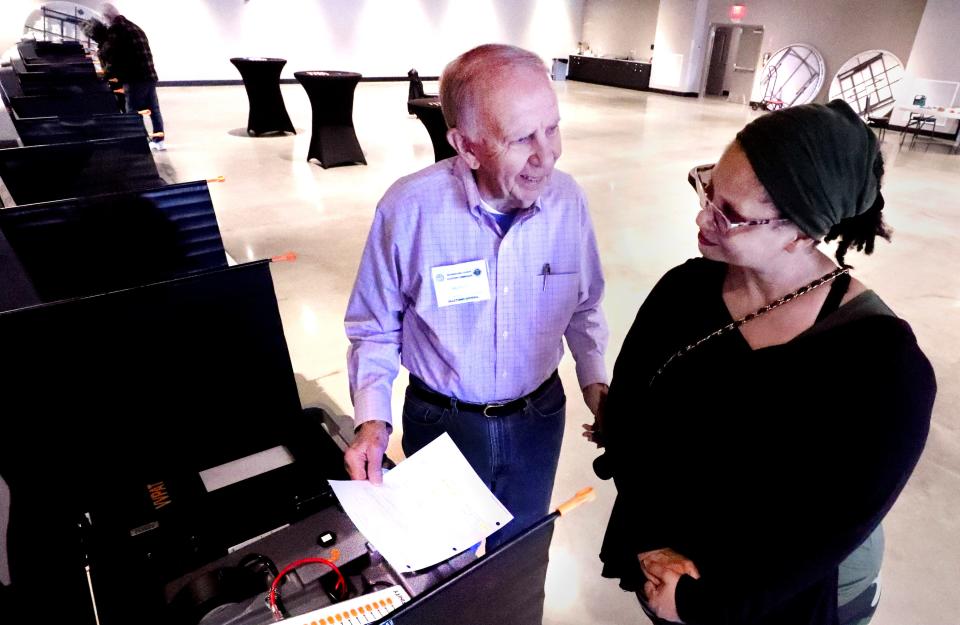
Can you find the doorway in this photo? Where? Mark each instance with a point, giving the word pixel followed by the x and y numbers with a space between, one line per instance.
pixel 716 75
pixel 732 62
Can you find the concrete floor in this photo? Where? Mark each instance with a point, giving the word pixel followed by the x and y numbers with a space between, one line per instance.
pixel 631 152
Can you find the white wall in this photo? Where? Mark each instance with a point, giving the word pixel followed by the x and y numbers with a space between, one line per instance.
pixel 13 15
pixel 621 27
pixel 194 39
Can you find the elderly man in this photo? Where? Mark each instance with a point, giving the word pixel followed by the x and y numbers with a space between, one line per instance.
pixel 126 56
pixel 474 270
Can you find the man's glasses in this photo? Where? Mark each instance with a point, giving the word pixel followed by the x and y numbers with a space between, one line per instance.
pixel 699 179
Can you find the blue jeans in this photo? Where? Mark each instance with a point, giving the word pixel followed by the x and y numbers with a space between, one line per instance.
pixel 142 95
pixel 515 455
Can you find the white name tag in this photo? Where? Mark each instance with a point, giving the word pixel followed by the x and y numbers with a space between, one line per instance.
pixel 461 283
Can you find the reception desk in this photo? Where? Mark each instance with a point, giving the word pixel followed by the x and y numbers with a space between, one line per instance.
pixel 612 72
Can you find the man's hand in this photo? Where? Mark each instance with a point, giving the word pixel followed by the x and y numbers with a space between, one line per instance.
pixel 595 396
pixel 364 457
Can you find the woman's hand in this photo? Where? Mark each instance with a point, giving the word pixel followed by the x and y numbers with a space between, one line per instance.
pixel 667 558
pixel 662 597
pixel 663 568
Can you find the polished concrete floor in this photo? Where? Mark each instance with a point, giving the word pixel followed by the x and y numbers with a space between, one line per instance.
pixel 631 152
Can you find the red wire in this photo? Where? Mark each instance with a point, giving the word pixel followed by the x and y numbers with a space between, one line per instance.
pixel 341 583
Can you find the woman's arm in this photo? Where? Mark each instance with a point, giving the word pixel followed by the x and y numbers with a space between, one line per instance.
pixel 795 539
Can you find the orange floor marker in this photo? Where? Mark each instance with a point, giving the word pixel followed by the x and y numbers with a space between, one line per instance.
pixel 217 179
pixel 286 257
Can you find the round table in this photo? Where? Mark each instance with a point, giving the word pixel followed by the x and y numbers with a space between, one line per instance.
pixel 333 140
pixel 429 112
pixel 261 78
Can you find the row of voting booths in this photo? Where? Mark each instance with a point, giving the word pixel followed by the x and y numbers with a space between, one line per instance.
pixel 137 358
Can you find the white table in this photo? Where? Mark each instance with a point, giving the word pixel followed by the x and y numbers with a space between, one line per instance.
pixel 940 112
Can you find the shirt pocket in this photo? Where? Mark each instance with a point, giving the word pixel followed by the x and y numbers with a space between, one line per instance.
pixel 559 296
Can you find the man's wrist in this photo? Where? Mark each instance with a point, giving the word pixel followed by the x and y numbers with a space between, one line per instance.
pixel 591 370
pixel 600 384
pixel 375 424
pixel 371 406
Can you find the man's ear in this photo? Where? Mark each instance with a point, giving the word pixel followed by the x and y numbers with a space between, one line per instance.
pixel 464 147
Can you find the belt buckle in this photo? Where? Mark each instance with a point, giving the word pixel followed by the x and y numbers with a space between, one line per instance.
pixel 489 406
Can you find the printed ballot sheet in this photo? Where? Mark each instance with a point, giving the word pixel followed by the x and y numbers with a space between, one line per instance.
pixel 431 507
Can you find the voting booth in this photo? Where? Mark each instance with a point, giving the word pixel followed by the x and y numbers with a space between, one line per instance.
pixel 162 471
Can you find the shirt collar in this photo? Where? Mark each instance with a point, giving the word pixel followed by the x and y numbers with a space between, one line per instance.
pixel 462 171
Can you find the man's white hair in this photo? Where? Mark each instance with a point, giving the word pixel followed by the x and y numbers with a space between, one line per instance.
pixel 109 11
pixel 467 77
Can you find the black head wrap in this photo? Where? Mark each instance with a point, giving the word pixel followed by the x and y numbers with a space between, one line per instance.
pixel 816 161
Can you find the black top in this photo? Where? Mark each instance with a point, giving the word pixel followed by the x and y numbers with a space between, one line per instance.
pixel 765 467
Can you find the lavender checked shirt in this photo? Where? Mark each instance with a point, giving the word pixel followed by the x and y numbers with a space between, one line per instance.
pixel 545 283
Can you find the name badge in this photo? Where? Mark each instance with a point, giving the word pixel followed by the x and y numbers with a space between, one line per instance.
pixel 461 283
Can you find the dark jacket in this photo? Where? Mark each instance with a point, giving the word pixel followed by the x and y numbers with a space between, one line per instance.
pixel 125 53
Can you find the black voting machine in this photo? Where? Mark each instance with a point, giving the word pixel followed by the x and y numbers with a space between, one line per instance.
pixel 41 173
pixel 68 129
pixel 76 140
pixel 94 244
pixel 54 79
pixel 107 395
pixel 118 401
pixel 134 361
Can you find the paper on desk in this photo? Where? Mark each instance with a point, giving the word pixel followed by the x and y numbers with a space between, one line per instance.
pixel 431 507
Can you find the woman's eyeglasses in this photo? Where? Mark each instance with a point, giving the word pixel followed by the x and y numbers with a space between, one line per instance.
pixel 699 179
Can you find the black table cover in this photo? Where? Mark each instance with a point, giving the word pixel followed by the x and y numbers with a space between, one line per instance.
pixel 333 140
pixel 429 112
pixel 261 78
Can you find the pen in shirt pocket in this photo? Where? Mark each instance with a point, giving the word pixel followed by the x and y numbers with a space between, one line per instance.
pixel 545 272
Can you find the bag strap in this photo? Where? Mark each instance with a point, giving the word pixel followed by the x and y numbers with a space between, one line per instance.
pixel 733 325
pixel 837 290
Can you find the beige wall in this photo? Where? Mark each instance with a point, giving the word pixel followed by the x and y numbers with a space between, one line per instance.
pixel 194 39
pixel 935 53
pixel 934 58
pixel 621 27
pixel 678 60
pixel 838 29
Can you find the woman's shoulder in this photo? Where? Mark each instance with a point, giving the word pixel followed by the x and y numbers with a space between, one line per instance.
pixel 684 297
pixel 877 346
pixel 695 272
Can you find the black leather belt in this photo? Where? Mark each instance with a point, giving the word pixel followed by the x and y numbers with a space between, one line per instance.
pixel 422 392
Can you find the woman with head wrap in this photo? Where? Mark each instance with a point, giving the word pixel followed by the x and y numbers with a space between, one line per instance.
pixel 766 408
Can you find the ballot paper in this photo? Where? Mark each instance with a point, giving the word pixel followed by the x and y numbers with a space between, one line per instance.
pixel 431 507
